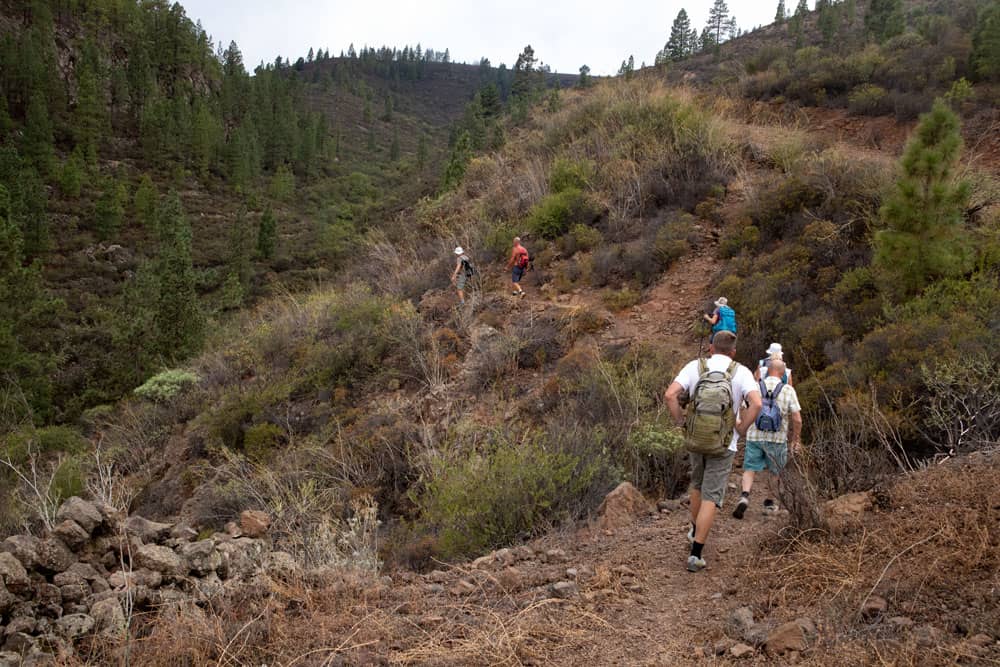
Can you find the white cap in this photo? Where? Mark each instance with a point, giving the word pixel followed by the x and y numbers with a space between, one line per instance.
pixel 723 301
pixel 458 250
pixel 775 348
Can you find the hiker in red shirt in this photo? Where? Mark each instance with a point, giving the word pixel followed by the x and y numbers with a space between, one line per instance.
pixel 518 264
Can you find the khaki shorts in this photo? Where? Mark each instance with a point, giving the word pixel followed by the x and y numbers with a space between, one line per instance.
pixel 710 475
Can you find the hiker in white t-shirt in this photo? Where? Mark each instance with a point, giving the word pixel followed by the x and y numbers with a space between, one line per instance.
pixel 710 474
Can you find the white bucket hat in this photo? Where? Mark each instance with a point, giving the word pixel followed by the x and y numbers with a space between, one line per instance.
pixel 458 250
pixel 723 301
pixel 775 348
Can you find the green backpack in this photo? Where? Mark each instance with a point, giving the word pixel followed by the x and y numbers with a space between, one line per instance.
pixel 710 417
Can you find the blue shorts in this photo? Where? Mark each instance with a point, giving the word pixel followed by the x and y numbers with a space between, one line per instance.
pixel 517 274
pixel 765 456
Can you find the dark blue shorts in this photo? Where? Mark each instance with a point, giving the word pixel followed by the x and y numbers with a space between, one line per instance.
pixel 517 274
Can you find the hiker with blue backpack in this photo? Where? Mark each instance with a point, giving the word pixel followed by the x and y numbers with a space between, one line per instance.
pixel 774 351
pixel 723 318
pixel 713 418
pixel 775 431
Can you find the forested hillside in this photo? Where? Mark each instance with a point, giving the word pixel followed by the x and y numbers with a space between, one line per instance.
pixel 885 58
pixel 110 109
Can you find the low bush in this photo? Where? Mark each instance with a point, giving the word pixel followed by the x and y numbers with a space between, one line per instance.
pixel 167 385
pixel 869 99
pixel 621 299
pixel 570 174
pixel 581 238
pixel 498 492
pixel 555 214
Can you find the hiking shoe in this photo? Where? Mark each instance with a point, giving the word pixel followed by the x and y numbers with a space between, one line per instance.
pixel 741 507
pixel 696 564
pixel 770 507
pixel 521 294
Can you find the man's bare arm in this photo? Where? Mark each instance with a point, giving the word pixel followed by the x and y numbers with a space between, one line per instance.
pixel 749 413
pixel 795 430
pixel 672 399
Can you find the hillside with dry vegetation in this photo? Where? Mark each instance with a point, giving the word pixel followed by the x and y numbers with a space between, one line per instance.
pixel 368 472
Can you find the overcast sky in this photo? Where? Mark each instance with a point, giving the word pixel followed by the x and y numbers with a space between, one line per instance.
pixel 565 34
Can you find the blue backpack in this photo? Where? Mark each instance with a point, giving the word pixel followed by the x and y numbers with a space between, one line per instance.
pixel 727 320
pixel 769 419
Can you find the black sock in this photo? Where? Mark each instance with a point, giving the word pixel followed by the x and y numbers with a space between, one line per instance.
pixel 768 502
pixel 696 548
pixel 745 494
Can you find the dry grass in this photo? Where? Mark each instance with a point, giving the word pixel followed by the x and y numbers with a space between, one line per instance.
pixel 934 555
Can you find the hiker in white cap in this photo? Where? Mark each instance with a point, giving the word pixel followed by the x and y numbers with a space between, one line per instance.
pixel 463 271
pixel 723 318
pixel 773 352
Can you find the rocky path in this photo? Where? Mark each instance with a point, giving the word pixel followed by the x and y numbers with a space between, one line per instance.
pixel 616 593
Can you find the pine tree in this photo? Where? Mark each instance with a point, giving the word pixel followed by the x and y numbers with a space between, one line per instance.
pixel 677 45
pixel 71 178
pixel 458 161
pixel 25 311
pixel 780 15
pixel 694 43
pixel 240 248
pixel 924 238
pixel 707 41
pixel 733 29
pixel 394 150
pixel 884 19
pixel 422 151
pixel 36 143
pixel 109 212
pixel 267 234
pixel 282 184
pixel 718 16
pixel 30 211
pixel 89 123
pixel 802 8
pixel 584 80
pixel 827 21
pixel 144 202
pixel 986 44
pixel 178 319
pixel 525 77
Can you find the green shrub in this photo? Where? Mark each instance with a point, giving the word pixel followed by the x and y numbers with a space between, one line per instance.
pixel 620 299
pixel 670 244
pixel 19 446
pixel 582 238
pixel 260 441
pixel 868 99
pixel 166 385
pixel 486 498
pixel 656 458
pixel 554 215
pixel 570 174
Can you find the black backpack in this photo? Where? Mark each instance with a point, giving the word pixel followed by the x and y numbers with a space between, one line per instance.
pixel 467 266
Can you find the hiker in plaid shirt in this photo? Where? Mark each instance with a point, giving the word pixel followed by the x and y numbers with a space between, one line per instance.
pixel 770 437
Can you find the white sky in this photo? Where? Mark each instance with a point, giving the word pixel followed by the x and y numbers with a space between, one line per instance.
pixel 565 34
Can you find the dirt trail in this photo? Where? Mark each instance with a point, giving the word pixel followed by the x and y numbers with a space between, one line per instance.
pixel 635 603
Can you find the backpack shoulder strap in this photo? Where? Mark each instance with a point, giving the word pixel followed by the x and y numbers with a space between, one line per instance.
pixel 777 390
pixel 731 371
pixel 763 389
